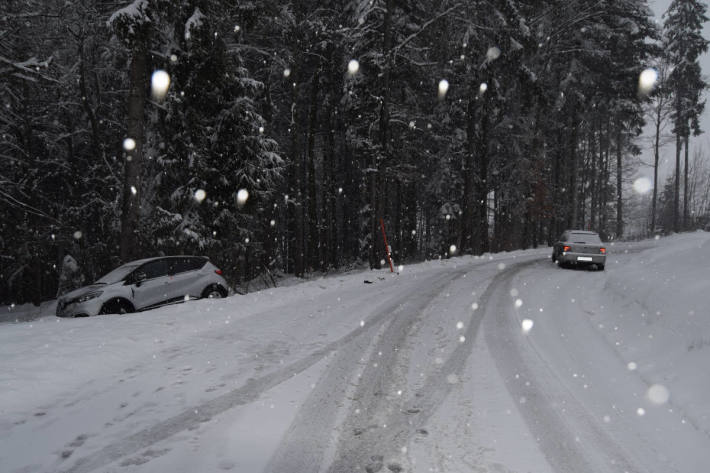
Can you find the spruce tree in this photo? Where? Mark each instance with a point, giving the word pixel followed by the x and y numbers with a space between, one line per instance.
pixel 683 26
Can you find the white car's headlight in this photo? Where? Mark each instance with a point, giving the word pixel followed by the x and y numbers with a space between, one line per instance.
pixel 89 296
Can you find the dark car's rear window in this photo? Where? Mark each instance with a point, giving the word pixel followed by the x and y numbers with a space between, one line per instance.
pixel 585 238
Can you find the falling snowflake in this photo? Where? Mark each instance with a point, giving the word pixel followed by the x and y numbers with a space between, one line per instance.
pixel 631 366
pixel 443 88
pixel 200 195
pixel 518 303
pixel 526 324
pixel 658 394
pixel 459 325
pixel 513 292
pixel 642 185
pixel 483 88
pixel 242 197
pixel 353 66
pixel 474 306
pixel 647 80
pixel 452 250
pixel 78 235
pixel 159 84
pixel 492 54
pixel 129 144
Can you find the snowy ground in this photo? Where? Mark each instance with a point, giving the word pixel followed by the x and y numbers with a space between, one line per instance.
pixel 437 369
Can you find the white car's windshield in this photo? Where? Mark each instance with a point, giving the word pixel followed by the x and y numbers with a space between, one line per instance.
pixel 117 274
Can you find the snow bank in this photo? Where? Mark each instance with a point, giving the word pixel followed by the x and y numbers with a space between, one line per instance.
pixel 665 296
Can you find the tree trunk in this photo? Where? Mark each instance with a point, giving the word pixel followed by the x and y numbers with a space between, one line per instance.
pixel 312 206
pixel 594 171
pixel 378 171
pixel 467 218
pixel 332 247
pixel 482 241
pixel 133 167
pixel 572 219
pixel 656 147
pixel 676 184
pixel 685 186
pixel 95 142
pixel 619 197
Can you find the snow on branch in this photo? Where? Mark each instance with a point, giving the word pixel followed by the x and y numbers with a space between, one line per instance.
pixel 136 12
pixel 28 70
pixel 424 26
pixel 194 22
pixel 129 20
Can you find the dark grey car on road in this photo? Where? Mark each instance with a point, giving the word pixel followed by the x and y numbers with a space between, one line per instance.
pixel 579 247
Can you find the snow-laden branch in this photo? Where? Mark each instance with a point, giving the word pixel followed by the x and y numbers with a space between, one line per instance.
pixel 26 207
pixel 426 24
pixel 28 69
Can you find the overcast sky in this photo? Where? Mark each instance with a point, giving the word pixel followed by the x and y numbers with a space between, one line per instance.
pixel 668 153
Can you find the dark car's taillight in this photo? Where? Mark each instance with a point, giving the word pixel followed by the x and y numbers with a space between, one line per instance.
pixel 602 251
pixel 218 271
pixel 566 248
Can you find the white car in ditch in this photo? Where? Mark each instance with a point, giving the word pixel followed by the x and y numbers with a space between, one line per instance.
pixel 145 284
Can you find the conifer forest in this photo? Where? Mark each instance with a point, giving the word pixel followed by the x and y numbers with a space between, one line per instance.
pixel 282 137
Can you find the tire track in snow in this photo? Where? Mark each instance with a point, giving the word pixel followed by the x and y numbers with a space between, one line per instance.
pixel 367 450
pixel 245 394
pixel 374 424
pixel 310 436
pixel 542 396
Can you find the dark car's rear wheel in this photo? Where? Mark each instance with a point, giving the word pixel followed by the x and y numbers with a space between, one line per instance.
pixel 214 291
pixel 117 306
pixel 600 267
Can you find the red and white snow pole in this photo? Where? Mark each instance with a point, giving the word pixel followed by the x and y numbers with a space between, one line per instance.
pixel 387 247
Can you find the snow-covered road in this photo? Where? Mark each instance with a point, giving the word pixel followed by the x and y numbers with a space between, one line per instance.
pixel 498 364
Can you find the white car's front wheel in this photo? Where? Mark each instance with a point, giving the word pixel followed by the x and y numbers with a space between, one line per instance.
pixel 116 306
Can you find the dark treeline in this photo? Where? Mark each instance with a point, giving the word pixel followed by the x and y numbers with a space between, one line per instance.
pixel 475 125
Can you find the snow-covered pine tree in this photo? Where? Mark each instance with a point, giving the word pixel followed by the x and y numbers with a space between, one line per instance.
pixel 215 169
pixel 683 26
